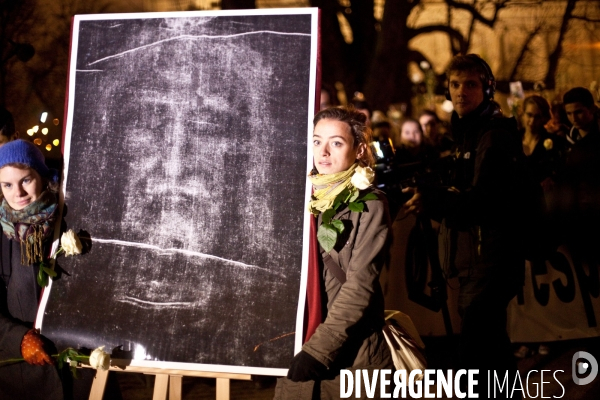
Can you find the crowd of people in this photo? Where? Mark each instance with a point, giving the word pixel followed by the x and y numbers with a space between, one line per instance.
pixel 502 179
pixel 510 189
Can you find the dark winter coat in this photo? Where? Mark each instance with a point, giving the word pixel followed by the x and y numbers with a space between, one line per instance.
pixel 484 211
pixel 19 298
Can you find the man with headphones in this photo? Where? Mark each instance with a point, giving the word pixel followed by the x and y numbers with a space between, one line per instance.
pixel 480 214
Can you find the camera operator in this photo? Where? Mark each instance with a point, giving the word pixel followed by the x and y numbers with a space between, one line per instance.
pixel 480 215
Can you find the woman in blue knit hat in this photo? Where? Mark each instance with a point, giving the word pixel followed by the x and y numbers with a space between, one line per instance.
pixel 27 216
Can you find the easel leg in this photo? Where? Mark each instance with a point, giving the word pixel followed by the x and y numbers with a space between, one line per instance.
pixel 175 387
pixel 161 385
pixel 98 385
pixel 222 389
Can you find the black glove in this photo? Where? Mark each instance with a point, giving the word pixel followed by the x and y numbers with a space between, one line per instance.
pixel 305 367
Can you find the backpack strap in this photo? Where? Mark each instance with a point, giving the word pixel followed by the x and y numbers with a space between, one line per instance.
pixel 334 268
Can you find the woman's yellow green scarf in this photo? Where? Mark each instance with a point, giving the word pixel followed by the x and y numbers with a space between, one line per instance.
pixel 327 188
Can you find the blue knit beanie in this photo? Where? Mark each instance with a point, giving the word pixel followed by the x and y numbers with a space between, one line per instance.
pixel 24 152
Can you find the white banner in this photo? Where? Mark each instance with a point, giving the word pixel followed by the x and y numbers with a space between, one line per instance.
pixel 560 300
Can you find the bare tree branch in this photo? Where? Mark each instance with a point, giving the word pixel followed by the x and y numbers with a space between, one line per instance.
pixel 523 51
pixel 554 57
pixel 453 33
pixel 584 18
pixel 475 12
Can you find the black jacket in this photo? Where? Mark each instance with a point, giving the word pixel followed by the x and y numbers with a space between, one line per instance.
pixel 487 175
pixel 19 298
pixel 483 208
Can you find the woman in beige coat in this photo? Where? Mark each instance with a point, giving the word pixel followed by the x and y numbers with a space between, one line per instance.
pixel 353 231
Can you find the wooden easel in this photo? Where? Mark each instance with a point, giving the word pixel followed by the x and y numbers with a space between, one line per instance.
pixel 167 380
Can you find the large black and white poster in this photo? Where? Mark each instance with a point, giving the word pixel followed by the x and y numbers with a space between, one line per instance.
pixel 185 162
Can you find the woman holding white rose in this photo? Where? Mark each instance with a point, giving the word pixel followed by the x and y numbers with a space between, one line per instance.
pixel 28 212
pixel 344 298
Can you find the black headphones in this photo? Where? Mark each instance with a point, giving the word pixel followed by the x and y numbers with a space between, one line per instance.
pixel 489 82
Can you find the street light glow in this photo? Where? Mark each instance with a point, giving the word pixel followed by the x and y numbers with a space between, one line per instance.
pixel 43 117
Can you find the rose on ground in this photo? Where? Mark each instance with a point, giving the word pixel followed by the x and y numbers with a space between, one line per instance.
pixel 70 243
pixel 362 178
pixel 99 359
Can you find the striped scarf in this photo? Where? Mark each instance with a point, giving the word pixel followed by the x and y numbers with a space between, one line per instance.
pixel 30 226
pixel 327 187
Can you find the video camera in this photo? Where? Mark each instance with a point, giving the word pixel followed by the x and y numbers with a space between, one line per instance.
pixel 392 175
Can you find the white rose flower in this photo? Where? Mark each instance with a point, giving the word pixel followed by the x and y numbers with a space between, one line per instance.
pixel 99 359
pixel 362 178
pixel 70 243
pixel 548 144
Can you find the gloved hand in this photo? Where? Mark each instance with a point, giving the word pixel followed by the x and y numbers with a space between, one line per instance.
pixel 32 349
pixel 305 367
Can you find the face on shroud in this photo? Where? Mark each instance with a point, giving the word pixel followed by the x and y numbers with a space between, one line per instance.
pixel 20 187
pixel 580 116
pixel 333 147
pixel 411 136
pixel 466 91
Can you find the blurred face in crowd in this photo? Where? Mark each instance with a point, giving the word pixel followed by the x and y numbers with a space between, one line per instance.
pixel 410 135
pixel 580 116
pixel 533 120
pixel 466 91
pixel 367 113
pixel 429 125
pixel 20 187
pixel 325 100
pixel 334 149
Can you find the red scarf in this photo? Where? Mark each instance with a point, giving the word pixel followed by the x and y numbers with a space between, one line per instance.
pixel 313 311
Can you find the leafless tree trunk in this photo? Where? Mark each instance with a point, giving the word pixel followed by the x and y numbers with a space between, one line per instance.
pixel 554 57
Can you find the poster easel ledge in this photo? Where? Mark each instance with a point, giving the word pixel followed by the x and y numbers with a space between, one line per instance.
pixel 167 380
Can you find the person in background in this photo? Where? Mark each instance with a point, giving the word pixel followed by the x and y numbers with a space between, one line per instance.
pixel 580 189
pixel 7 127
pixel 441 143
pixel 481 213
pixel 412 147
pixel 361 105
pixel 582 113
pixel 345 320
pixel 328 96
pixel 559 123
pixel 545 153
